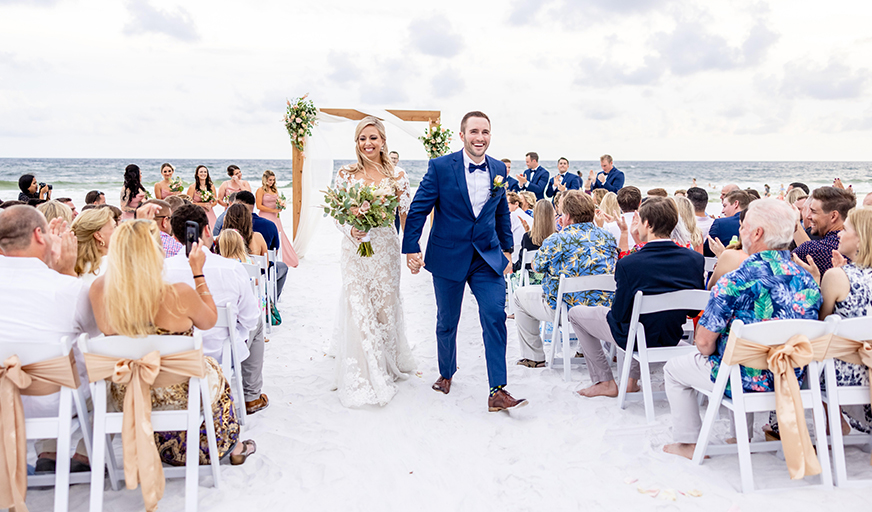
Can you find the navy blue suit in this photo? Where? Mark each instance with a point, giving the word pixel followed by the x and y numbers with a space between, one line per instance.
pixel 571 181
pixel 724 229
pixel 464 249
pixel 614 180
pixel 658 267
pixel 268 229
pixel 513 184
pixel 537 180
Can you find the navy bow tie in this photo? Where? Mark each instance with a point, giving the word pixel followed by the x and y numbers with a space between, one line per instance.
pixel 481 167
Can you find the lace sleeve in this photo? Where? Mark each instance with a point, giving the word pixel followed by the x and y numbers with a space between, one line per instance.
pixel 342 179
pixel 403 191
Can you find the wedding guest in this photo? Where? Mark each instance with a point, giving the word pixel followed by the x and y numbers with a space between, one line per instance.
pixel 267 199
pixel 95 197
pixel 688 219
pixel 176 201
pixel 511 183
pixel 680 193
pixel 529 200
pixel 133 299
pixel 768 286
pixel 229 283
pixel 38 277
pixel 219 222
pixel 727 227
pixel 564 180
pixel 10 204
pixel 238 218
pixel 521 222
pixel 580 249
pixel 55 209
pixel 116 211
pixel 610 178
pixel 828 209
pixel 132 192
pixel 535 177
pixel 797 197
pixel 699 198
pixel 201 187
pixel 162 189
pixel 629 198
pixel 231 245
pixel 162 216
pixel 731 187
pixel 543 227
pixel 93 229
pixel 30 189
pixel 69 202
pixel 270 234
pixel 598 195
pixel 609 206
pixel 660 266
pixel 867 201
pixel 800 185
pixel 232 186
pixel 657 192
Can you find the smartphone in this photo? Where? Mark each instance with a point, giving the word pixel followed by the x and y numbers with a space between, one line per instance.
pixel 192 235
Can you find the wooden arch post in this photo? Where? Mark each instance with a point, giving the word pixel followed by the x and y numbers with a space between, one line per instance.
pixel 430 116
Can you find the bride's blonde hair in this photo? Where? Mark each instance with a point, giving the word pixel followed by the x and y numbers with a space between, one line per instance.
pixel 383 164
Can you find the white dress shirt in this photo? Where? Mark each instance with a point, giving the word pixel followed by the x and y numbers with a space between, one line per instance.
pixel 40 305
pixel 612 227
pixel 227 281
pixel 704 224
pixel 518 229
pixel 478 184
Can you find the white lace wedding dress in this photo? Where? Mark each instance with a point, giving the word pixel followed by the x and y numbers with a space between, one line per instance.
pixel 370 337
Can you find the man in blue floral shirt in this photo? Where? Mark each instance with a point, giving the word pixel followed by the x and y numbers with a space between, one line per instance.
pixel 767 286
pixel 580 249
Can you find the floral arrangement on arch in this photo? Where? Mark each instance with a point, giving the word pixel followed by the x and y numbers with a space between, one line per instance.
pixel 436 140
pixel 299 119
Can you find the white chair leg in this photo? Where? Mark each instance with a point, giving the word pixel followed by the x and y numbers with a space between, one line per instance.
pixel 627 358
pixel 62 459
pixel 819 429
pixel 192 456
pixel 115 474
pixel 743 444
pixel 835 416
pixel 711 414
pixel 645 373
pixel 214 460
pixel 98 456
pixel 567 356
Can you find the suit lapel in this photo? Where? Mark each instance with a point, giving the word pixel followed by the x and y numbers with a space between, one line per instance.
pixel 460 176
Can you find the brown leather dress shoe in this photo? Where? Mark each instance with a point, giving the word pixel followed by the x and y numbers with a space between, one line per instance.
pixel 442 385
pixel 502 401
pixel 258 404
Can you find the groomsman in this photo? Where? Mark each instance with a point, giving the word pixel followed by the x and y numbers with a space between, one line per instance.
pixel 535 178
pixel 564 180
pixel 512 183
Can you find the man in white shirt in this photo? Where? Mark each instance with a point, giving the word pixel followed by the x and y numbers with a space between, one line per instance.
pixel 229 283
pixel 629 199
pixel 521 222
pixel 699 197
pixel 41 301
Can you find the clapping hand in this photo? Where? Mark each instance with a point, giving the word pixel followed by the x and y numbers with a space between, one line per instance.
pixel 524 223
pixel 634 227
pixel 147 211
pixel 522 180
pixel 715 246
pixel 810 267
pixel 590 175
pixel 838 259
pixel 837 183
pixel 64 247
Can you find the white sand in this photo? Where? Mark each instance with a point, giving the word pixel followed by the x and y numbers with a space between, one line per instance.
pixel 428 451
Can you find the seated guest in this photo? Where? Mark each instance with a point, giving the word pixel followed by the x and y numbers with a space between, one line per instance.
pixel 796 197
pixel 767 286
pixel 725 228
pixel 732 187
pixel 219 222
pixel 799 185
pixel 176 200
pixel 608 206
pixel 228 282
pixel 629 199
pixel 563 180
pixel 55 209
pixel 753 193
pixel 38 281
pixel 699 197
pixel 69 202
pixel 528 202
pixel 687 220
pixel 580 249
pixel 171 246
pixel 10 204
pixel 93 229
pixel 511 183
pixel 543 227
pixel 660 266
pixel 521 222
pixel 657 192
pixel 238 218
pixel 95 197
pixel 729 258
pixel 30 189
pixel 680 193
pixel 598 196
pixel 132 299
pixel 232 246
pixel 828 208
pixel 270 234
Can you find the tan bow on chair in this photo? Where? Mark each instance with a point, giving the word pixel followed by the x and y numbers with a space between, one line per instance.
pixel 141 460
pixel 797 352
pixel 37 379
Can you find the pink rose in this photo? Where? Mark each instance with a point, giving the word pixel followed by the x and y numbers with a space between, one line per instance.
pixel 354 210
pixel 364 207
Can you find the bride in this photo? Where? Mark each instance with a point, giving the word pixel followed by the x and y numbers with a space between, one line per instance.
pixel 370 338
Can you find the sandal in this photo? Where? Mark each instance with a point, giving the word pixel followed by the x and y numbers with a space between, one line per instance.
pixel 248 448
pixel 529 363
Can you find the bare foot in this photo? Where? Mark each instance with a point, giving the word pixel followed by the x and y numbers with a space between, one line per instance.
pixel 633 386
pixel 683 449
pixel 608 388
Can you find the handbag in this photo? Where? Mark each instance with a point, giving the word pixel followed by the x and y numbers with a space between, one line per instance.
pixel 274 315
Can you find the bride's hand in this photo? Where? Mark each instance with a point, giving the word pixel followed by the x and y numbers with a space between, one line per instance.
pixel 357 234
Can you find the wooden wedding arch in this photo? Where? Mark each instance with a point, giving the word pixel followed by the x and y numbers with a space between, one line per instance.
pixel 429 116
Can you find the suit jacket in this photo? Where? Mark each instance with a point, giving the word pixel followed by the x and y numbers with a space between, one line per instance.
pixel 723 229
pixel 614 181
pixel 513 185
pixel 537 180
pixel 571 181
pixel 457 234
pixel 658 267
pixel 268 229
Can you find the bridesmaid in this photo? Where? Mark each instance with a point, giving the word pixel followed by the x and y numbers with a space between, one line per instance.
pixel 233 185
pixel 162 188
pixel 203 183
pixel 132 192
pixel 267 196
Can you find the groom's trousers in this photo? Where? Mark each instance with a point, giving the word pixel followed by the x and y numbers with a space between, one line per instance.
pixel 489 289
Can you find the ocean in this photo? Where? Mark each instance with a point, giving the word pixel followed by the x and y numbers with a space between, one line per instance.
pixel 74 177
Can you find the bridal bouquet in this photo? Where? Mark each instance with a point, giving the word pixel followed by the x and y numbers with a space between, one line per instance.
pixel 363 208
pixel 436 141
pixel 176 185
pixel 299 119
pixel 207 196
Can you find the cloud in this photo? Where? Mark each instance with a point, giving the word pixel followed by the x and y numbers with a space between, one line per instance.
pixel 758 43
pixel 600 73
pixel 601 112
pixel 37 3
pixel 146 18
pixel 343 68
pixel 435 36
pixel 524 11
pixel 447 84
pixel 690 49
pixel 836 81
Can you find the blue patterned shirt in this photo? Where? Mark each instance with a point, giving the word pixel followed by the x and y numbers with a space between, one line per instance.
pixel 821 251
pixel 581 249
pixel 768 286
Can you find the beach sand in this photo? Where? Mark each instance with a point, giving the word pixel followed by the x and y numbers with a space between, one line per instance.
pixel 428 451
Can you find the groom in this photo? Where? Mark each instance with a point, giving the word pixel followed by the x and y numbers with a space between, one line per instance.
pixel 470 243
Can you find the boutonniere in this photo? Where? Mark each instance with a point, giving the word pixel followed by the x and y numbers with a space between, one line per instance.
pixel 498 184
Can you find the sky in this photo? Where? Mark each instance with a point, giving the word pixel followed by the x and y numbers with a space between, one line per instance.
pixel 638 79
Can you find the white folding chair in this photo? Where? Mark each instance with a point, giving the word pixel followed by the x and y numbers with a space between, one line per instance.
pixel 527 258
pixel 836 396
pixel 605 282
pixel 230 363
pixel 772 332
pixel 637 345
pixel 710 262
pixel 199 410
pixel 60 427
pixel 272 277
pixel 263 263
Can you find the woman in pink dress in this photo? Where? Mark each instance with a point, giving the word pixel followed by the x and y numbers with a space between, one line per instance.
pixel 202 184
pixel 162 187
pixel 132 192
pixel 231 186
pixel 267 196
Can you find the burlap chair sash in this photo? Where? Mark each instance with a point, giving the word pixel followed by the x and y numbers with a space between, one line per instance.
pixel 38 379
pixel 797 352
pixel 141 460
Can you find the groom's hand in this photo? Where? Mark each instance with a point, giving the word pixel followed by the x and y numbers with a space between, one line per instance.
pixel 509 268
pixel 414 261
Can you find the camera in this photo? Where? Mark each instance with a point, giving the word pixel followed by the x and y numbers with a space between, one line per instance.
pixel 43 185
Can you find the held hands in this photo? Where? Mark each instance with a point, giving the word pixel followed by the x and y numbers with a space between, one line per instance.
pixel 716 246
pixel 358 235
pixel 414 261
pixel 197 258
